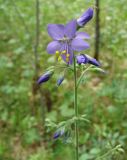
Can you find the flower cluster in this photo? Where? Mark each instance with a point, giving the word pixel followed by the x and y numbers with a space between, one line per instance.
pixel 66 40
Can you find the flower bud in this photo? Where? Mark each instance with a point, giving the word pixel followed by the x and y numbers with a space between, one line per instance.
pixel 86 17
pixel 60 80
pixel 58 133
pixel 45 77
pixel 84 59
pixel 93 61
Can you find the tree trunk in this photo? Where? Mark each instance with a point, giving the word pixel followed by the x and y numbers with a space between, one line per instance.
pixel 97 30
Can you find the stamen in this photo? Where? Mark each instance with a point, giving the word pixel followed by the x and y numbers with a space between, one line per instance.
pixel 59 58
pixel 57 53
pixel 67 59
pixel 67 55
pixel 64 51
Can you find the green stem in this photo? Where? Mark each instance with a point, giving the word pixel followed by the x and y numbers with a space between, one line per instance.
pixel 76 112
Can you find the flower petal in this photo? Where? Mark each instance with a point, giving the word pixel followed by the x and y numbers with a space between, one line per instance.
pixel 70 29
pixel 82 35
pixel 56 31
pixel 79 44
pixel 53 47
pixel 71 55
pixel 69 51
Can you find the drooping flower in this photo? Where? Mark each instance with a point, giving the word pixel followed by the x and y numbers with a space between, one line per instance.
pixel 58 134
pixel 60 80
pixel 86 17
pixel 84 59
pixel 66 40
pixel 45 77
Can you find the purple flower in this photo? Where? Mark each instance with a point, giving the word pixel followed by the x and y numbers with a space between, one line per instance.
pixel 45 77
pixel 84 58
pixel 60 80
pixel 66 40
pixel 86 17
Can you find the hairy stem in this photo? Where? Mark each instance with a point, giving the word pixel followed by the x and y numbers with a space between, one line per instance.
pixel 76 111
pixel 109 152
pixel 82 75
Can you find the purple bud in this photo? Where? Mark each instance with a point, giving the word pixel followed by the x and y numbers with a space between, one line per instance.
pixel 86 17
pixel 56 135
pixel 93 61
pixel 45 77
pixel 60 80
pixel 84 58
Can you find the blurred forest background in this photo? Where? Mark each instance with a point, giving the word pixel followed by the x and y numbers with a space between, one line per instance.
pixel 102 97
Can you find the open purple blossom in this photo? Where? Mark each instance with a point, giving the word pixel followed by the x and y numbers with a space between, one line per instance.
pixel 45 77
pixel 84 59
pixel 86 17
pixel 66 40
pixel 60 80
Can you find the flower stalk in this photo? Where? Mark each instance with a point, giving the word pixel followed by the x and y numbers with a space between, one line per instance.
pixel 66 40
pixel 76 112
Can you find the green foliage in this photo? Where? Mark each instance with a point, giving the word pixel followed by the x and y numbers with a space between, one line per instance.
pixel 102 97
